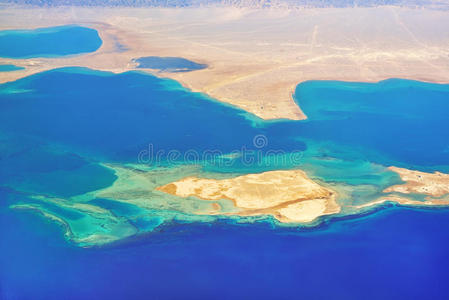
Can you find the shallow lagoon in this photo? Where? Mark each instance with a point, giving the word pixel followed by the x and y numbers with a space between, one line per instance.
pixel 48 42
pixel 10 68
pixel 56 139
pixel 168 64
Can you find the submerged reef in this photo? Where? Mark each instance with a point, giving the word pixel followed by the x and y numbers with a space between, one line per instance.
pixel 84 224
pixel 142 199
pixel 95 168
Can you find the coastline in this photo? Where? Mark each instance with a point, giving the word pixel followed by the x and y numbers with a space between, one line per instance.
pixel 257 86
pixel 260 76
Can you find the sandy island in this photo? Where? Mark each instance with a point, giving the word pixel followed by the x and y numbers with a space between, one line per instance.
pixel 255 57
pixel 159 196
pixel 290 196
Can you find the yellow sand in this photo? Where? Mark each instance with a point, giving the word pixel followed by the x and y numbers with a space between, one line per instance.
pixel 290 196
pixel 305 211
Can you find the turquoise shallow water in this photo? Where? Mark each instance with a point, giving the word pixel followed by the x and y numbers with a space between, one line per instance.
pixel 10 68
pixel 48 42
pixel 58 128
pixel 405 121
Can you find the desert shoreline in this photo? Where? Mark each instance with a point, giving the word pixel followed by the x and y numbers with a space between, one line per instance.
pixel 249 68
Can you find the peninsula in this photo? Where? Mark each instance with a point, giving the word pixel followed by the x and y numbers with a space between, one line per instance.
pixel 431 184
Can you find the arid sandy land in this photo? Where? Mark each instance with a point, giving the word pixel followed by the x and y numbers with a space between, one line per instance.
pixel 255 57
pixel 434 185
pixel 290 196
pixel 431 184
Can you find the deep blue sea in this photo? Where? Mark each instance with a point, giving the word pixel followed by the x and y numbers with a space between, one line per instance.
pixel 57 128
